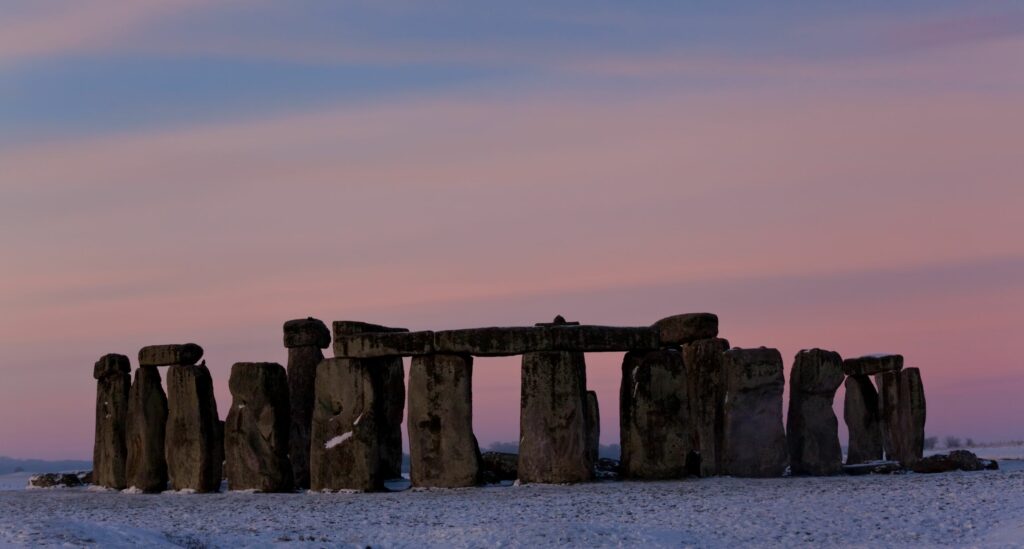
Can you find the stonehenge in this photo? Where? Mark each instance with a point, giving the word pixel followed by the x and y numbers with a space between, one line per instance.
pixel 113 382
pixel 257 428
pixel 689 405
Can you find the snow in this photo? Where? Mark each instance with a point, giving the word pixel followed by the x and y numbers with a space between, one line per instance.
pixel 338 440
pixel 984 509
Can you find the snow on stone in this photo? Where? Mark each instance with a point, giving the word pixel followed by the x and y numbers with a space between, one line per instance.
pixel 338 440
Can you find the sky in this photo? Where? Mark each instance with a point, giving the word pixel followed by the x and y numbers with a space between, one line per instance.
pixel 847 176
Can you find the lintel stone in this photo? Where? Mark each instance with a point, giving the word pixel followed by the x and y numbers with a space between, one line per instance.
pixel 185 354
pixel 872 364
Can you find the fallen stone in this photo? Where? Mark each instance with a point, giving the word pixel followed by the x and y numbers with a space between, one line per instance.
pixel 685 328
pixel 553 419
pixel 302 363
pixel 874 468
pixel 499 466
pixel 194 447
pixel 55 480
pixel 957 460
pixel 110 452
pixel 147 427
pixel 593 427
pixel 706 395
pixel 256 430
pixel 345 450
pixel 170 355
pixel 812 429
pixel 860 412
pixel 653 415
pixel 754 440
pixel 607 469
pixel 442 449
pixel 872 364
pixel 306 332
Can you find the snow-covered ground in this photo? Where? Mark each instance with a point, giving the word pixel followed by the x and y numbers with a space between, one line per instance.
pixel 980 509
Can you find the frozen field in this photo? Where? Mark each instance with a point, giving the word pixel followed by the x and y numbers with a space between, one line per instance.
pixel 979 509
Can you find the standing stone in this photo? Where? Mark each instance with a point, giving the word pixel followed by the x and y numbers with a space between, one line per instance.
pixel 147 424
pixel 593 428
pixel 442 449
pixel 304 339
pixel 754 440
pixel 901 409
pixel 860 412
pixel 812 429
pixel 113 376
pixel 653 415
pixel 706 395
pixel 193 445
pixel 553 419
pixel 256 431
pixel 345 450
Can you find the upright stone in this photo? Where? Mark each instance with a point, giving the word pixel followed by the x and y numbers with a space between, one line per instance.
pixel 653 415
pixel 442 449
pixel 706 395
pixel 113 382
pixel 593 428
pixel 901 409
pixel 812 429
pixel 304 339
pixel 147 425
pixel 754 440
pixel 860 412
pixel 553 419
pixel 256 431
pixel 345 450
pixel 193 445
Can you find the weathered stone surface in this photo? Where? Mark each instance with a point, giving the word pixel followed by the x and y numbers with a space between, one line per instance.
pixel 812 429
pixel 379 344
pixel 593 428
pixel 901 409
pixel 653 415
pixel 193 446
pixel 872 364
pixel 754 440
pixel 685 328
pixel 256 431
pixel 185 354
pixel 110 450
pixel 442 449
pixel 553 419
pixel 345 450
pixel 860 411
pixel 147 425
pixel 351 327
pixel 306 332
pixel 302 363
pixel 389 385
pixel 499 466
pixel 706 394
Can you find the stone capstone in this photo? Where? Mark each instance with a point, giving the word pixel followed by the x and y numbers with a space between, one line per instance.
pixel 860 411
pixel 257 428
pixel 170 355
pixel 812 429
pixel 345 449
pixel 110 453
pixel 194 443
pixel 654 417
pixel 706 394
pixel 754 440
pixel 442 449
pixel 676 330
pixel 553 419
pixel 872 364
pixel 306 332
pixel 147 426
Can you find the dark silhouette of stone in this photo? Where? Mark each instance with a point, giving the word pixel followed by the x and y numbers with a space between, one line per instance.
pixel 872 364
pixel 676 330
pixel 499 466
pixel 304 338
pixel 957 460
pixel 653 415
pixel 706 395
pixel 593 428
pixel 860 411
pixel 257 427
pixel 553 419
pixel 185 354
pixel 306 332
pixel 110 453
pixel 53 480
pixel 874 468
pixel 194 443
pixel 345 450
pixel 901 409
pixel 147 425
pixel 754 440
pixel 812 429
pixel 442 449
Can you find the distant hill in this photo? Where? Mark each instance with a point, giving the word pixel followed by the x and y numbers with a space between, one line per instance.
pixel 12 465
